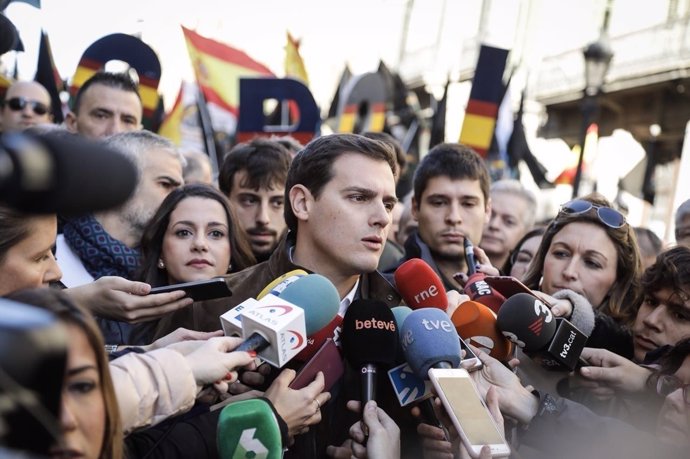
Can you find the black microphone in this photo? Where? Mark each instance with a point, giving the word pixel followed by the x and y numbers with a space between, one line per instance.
pixel 33 356
pixel 369 340
pixel 552 341
pixel 60 172
pixel 469 256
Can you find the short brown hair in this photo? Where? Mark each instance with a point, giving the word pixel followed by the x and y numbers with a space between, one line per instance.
pixel 313 166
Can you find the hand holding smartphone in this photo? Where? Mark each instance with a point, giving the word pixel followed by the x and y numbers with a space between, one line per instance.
pixel 208 289
pixel 468 412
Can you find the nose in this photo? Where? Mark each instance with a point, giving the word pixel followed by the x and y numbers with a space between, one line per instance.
pixel 200 243
pixel 53 273
pixel 67 420
pixel 453 216
pixel 493 221
pixel 655 319
pixel 570 270
pixel 262 218
pixel 381 216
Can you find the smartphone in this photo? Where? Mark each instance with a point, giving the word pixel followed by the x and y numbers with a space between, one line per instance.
pixel 328 360
pixel 468 412
pixel 507 285
pixel 470 361
pixel 199 290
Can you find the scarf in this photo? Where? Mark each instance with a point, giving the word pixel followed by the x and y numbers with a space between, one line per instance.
pixel 103 255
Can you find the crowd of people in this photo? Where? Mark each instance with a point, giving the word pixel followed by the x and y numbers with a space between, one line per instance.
pixel 147 374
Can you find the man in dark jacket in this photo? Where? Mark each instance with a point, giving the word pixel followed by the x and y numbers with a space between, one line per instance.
pixel 451 202
pixel 340 192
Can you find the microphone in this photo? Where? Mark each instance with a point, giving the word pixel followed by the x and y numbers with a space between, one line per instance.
pixel 58 172
pixel 469 256
pixel 277 285
pixel 420 286
pixel 429 340
pixel 552 341
pixel 276 327
pixel 369 339
pixel 249 428
pixel 480 291
pixel 476 324
pixel 33 354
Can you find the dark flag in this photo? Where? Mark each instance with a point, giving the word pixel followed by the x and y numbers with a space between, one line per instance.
pixel 438 122
pixel 344 78
pixel 518 149
pixel 48 76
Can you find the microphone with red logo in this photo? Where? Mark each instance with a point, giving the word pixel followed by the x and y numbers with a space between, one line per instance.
pixel 476 287
pixel 277 327
pixel 476 324
pixel 369 338
pixel 420 286
pixel 552 341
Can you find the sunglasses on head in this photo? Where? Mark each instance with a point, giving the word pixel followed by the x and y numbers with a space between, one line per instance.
pixel 666 384
pixel 19 103
pixel 608 216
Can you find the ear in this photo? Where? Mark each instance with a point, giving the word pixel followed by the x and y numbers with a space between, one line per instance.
pixel 414 208
pixel 487 216
pixel 301 201
pixel 71 122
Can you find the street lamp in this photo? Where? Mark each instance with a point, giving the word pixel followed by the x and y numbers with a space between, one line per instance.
pixel 597 59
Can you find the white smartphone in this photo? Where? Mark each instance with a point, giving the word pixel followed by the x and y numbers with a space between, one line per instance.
pixel 470 361
pixel 468 412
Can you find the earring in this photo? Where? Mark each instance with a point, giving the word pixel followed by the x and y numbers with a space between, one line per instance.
pixel 230 267
pixel 161 265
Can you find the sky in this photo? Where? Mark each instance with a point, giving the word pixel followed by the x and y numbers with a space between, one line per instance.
pixel 360 34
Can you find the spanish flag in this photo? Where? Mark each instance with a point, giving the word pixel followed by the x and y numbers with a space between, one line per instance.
pixel 485 97
pixel 218 69
pixel 170 128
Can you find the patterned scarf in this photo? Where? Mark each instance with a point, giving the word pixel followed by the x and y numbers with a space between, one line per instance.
pixel 101 254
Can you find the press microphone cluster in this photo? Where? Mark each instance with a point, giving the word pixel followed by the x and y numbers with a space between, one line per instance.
pixel 553 341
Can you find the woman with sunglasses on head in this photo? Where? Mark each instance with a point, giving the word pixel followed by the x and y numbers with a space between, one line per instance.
pixel 588 259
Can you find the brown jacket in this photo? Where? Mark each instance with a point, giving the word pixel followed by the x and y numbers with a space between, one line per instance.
pixel 248 283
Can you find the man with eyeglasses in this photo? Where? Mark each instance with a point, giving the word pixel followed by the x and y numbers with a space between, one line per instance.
pixel 27 103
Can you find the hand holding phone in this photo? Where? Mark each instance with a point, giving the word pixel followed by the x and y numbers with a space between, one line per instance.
pixel 467 411
pixel 207 289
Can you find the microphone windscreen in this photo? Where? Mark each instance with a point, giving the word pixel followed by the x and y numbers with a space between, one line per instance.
pixel 420 286
pixel 428 338
pixel 369 333
pixel 476 324
pixel 253 416
pixel 480 291
pixel 526 321
pixel 59 172
pixel 317 296
pixel 280 283
pixel 400 313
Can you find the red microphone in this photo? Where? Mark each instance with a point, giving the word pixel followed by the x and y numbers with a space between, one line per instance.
pixel 481 292
pixel 420 286
pixel 476 324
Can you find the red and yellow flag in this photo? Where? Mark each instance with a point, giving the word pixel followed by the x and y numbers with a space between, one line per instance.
pixel 171 126
pixel 218 69
pixel 294 65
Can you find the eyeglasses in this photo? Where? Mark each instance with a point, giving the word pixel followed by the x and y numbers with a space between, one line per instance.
pixel 608 216
pixel 666 384
pixel 19 103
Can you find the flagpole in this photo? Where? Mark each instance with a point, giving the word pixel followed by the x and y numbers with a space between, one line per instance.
pixel 207 130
